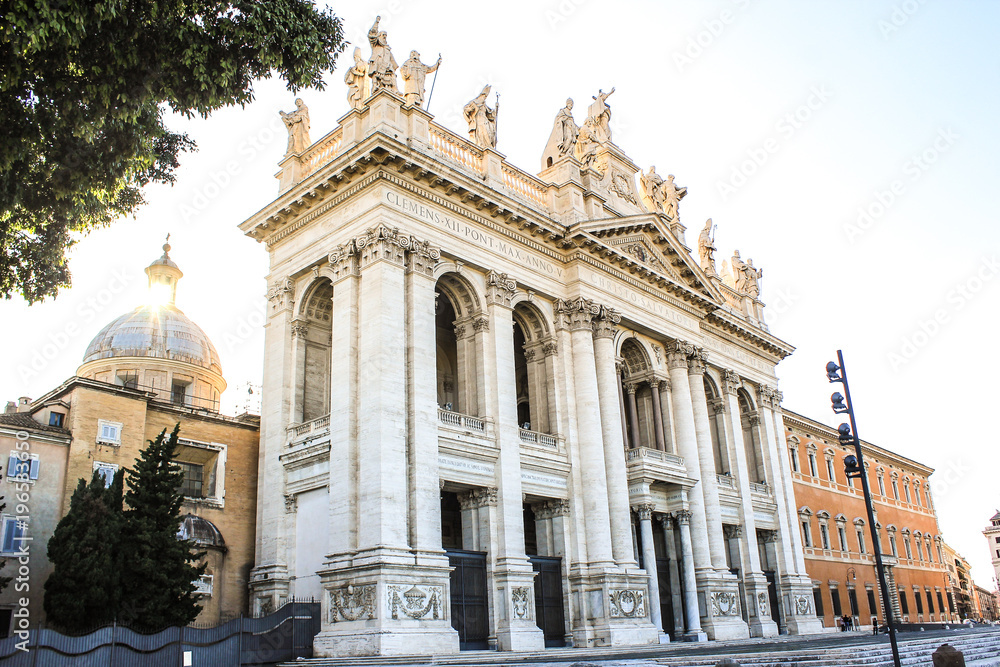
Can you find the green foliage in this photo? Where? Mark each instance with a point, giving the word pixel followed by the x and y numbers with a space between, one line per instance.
pixel 125 564
pixel 83 590
pixel 158 574
pixel 83 88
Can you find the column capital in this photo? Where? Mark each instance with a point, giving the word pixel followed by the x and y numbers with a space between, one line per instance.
pixel 500 289
pixel 644 511
pixel 766 396
pixel 550 348
pixel 732 381
pixel 631 387
pixel 666 520
pixel 281 294
pixel 299 328
pixel 576 314
pixel 678 352
pixel 732 531
pixel 718 405
pixel 605 324
pixel 550 509
pixel 480 323
pixel 683 517
pixel 382 243
pixel 463 329
pixel 697 361
pixel 481 497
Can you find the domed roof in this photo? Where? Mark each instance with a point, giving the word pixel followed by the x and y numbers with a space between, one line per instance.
pixel 162 332
pixel 201 531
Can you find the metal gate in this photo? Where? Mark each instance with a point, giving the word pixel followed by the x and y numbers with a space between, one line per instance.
pixel 549 599
pixel 469 605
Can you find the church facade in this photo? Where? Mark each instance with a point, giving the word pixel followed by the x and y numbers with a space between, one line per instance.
pixel 511 411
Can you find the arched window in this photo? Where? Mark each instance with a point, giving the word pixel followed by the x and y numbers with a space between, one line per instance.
pixel 533 347
pixel 716 407
pixel 314 331
pixel 638 395
pixel 750 422
pixel 458 320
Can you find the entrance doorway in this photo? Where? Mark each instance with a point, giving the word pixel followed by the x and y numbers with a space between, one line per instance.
pixel 772 595
pixel 469 605
pixel 549 599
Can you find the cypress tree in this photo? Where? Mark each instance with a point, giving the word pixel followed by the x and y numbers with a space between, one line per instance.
pixel 157 572
pixel 83 590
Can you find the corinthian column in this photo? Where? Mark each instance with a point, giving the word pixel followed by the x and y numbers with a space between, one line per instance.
pixel 614 447
pixel 693 631
pixel 706 459
pixel 576 316
pixel 645 514
pixel 687 446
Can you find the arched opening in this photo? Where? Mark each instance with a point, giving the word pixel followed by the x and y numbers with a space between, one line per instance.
pixel 640 426
pixel 532 348
pixel 750 422
pixel 720 451
pixel 314 330
pixel 456 328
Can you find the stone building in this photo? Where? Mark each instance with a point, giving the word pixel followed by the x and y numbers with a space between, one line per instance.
pixel 960 587
pixel 507 410
pixel 837 539
pixel 986 602
pixel 144 372
pixel 992 534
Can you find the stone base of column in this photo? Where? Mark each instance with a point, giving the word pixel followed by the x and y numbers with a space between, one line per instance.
pixel 269 588
pixel 514 608
pixel 611 608
pixel 758 606
pixel 719 603
pixel 699 636
pixel 797 600
pixel 386 609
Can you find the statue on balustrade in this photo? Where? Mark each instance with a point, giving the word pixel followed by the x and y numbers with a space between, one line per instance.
pixel 382 65
pixel 601 113
pixel 706 248
pixel 297 124
pixel 753 276
pixel 562 141
pixel 355 80
pixel 482 120
pixel 739 273
pixel 414 75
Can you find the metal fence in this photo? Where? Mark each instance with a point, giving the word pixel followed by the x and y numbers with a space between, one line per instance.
pixel 285 635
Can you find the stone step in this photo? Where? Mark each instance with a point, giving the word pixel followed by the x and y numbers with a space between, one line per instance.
pixel 981 648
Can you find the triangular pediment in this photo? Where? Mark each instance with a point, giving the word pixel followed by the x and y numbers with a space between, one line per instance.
pixel 644 244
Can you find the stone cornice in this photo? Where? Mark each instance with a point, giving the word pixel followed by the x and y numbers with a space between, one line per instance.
pixel 757 337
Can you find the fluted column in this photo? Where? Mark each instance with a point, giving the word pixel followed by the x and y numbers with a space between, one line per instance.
pixel 645 514
pixel 691 613
pixel 687 446
pixel 605 326
pixel 654 385
pixel 706 459
pixel 299 330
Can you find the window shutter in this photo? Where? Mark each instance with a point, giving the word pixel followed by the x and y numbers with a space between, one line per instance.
pixel 33 471
pixel 12 465
pixel 8 534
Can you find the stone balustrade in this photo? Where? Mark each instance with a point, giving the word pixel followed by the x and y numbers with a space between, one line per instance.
pixel 459 420
pixel 538 438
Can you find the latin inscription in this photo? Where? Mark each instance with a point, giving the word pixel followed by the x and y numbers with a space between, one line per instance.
pixel 636 298
pixel 470 233
pixel 461 464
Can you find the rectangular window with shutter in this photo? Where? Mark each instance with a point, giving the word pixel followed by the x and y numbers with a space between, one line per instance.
pixel 22 469
pixel 109 433
pixel 13 535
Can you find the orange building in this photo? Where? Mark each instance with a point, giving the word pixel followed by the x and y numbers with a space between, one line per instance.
pixel 837 539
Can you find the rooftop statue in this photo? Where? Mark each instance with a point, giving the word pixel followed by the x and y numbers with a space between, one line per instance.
pixel 562 141
pixel 381 66
pixel 672 196
pixel 601 113
pixel 706 248
pixel 652 189
pixel 587 142
pixel 414 74
pixel 482 120
pixel 355 80
pixel 753 276
pixel 297 123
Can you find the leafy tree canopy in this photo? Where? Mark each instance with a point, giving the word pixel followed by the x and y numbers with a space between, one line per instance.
pixel 84 85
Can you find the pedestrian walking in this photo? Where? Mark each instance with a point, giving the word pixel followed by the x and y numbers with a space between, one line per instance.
pixel 874 625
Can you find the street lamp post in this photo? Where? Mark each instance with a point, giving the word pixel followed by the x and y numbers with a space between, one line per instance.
pixel 854 466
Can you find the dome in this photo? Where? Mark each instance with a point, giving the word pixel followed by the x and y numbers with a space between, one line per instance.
pixel 201 531
pixel 162 332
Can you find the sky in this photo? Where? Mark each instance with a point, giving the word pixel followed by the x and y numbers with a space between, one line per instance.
pixel 847 147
